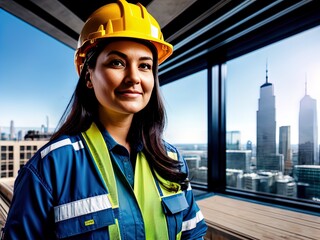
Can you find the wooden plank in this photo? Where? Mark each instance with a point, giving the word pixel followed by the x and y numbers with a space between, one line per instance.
pixel 256 218
pixel 265 210
pixel 245 228
pixel 256 221
pixel 259 219
pixel 260 207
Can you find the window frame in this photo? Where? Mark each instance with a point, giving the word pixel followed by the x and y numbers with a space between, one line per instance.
pixel 213 57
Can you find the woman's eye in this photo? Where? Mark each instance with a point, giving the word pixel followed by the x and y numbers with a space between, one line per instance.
pixel 145 66
pixel 117 63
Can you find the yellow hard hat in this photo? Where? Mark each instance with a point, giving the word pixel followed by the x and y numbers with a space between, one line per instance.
pixel 121 19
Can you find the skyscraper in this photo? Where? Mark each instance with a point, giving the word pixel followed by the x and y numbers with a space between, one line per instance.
pixel 266 125
pixel 12 131
pixel 308 131
pixel 285 148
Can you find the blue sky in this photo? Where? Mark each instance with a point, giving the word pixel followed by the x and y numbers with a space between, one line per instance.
pixel 37 75
pixel 38 78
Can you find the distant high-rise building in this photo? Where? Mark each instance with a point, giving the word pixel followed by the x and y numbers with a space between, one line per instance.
pixel 12 131
pixel 47 123
pixel 285 148
pixel 308 131
pixel 266 125
pixel 239 159
pixel 308 180
pixel 249 145
pixel 233 140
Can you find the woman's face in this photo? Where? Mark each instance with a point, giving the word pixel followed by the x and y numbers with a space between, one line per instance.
pixel 122 79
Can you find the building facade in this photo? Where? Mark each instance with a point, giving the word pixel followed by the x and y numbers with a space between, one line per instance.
pixel 15 154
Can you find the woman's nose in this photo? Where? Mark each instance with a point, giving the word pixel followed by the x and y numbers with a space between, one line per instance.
pixel 133 76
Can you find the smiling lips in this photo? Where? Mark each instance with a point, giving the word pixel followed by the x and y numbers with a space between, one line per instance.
pixel 129 93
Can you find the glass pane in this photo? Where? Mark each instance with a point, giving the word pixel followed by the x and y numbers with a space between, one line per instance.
pixel 272 126
pixel 186 106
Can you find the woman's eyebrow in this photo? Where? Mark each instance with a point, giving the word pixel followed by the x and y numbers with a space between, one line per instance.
pixel 122 55
pixel 146 58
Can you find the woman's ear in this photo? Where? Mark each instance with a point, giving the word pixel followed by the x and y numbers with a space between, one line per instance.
pixel 88 80
pixel 89 84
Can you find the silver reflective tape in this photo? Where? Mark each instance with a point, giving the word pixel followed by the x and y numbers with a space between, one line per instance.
pixel 192 223
pixel 189 187
pixel 81 207
pixel 77 146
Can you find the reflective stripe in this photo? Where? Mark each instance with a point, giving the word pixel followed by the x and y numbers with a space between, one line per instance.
pixel 81 207
pixel 192 223
pixel 76 145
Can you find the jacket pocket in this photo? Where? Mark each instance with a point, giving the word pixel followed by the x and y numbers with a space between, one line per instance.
pixel 174 203
pixel 173 207
pixel 84 219
pixel 87 226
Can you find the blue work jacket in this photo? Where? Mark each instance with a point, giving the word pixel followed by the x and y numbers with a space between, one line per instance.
pixel 63 173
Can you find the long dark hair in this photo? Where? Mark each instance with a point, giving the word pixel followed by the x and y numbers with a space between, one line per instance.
pixel 147 125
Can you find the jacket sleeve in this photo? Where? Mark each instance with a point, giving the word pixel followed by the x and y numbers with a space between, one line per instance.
pixel 31 213
pixel 193 225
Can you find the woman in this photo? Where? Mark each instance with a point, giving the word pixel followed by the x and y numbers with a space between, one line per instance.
pixel 107 173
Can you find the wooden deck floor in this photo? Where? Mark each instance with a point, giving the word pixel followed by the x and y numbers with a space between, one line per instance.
pixel 230 219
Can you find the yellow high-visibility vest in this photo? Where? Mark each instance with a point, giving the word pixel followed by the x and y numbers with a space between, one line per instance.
pixel 148 192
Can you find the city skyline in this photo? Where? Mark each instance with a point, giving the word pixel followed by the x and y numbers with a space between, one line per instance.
pixel 290 65
pixel 46 71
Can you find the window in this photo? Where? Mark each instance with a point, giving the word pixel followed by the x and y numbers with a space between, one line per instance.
pixel 3 167
pixel 186 106
pixel 11 166
pixel 271 119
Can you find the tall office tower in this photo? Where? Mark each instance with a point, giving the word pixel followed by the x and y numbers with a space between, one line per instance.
pixel 308 131
pixel 285 148
pixel 266 125
pixel 12 131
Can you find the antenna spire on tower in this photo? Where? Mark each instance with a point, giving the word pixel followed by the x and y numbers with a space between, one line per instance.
pixel 267 71
pixel 305 85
